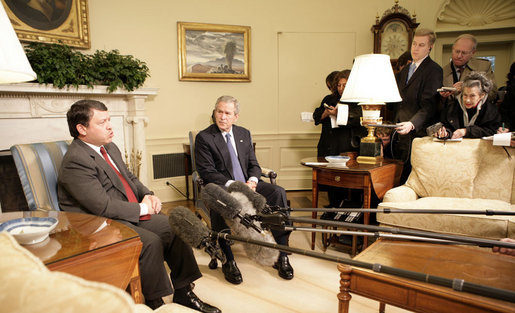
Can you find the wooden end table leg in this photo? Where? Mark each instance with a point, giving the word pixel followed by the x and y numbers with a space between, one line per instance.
pixel 367 199
pixel 382 307
pixel 344 296
pixel 314 203
pixel 134 286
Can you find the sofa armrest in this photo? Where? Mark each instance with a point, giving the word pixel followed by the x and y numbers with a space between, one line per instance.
pixel 400 194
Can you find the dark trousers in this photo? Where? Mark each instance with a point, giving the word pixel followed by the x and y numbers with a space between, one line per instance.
pixel 404 154
pixel 275 195
pixel 161 244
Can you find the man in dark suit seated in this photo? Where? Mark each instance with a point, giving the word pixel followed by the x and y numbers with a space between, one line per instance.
pixel 418 84
pixel 93 179
pixel 224 153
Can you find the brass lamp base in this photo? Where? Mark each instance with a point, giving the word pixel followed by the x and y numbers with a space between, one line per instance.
pixel 369 159
pixel 369 151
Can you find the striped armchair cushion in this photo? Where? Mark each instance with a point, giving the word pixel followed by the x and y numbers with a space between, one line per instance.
pixel 37 165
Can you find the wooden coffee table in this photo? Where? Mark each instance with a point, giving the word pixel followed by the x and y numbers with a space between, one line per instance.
pixel 474 265
pixel 90 247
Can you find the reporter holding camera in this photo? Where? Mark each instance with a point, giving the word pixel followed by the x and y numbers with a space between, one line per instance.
pixel 472 114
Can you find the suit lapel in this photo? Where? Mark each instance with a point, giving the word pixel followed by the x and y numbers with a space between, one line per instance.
pixel 403 75
pixel 106 167
pixel 240 146
pixel 122 168
pixel 221 145
pixel 418 72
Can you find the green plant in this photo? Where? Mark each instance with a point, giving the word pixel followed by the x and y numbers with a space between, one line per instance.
pixel 63 67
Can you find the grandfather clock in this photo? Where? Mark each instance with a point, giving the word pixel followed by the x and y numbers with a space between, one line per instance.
pixel 393 33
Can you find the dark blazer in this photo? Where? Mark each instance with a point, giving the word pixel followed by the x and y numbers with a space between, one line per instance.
pixel 87 184
pixel 419 95
pixel 213 159
pixel 486 124
pixel 345 138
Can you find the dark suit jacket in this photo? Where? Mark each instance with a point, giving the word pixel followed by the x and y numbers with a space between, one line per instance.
pixel 419 95
pixel 87 184
pixel 213 159
pixel 486 124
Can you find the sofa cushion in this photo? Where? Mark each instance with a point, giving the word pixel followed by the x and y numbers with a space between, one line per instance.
pixel 493 227
pixel 494 179
pixel 444 169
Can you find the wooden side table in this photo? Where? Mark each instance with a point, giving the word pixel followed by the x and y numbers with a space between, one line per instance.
pixel 379 177
pixel 79 246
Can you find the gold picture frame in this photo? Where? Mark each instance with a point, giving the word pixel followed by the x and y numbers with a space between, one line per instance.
pixel 57 21
pixel 213 52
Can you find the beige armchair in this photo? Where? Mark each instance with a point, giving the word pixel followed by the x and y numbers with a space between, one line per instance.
pixel 28 286
pixel 471 174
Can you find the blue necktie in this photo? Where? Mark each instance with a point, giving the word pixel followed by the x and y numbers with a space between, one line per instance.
pixel 236 167
pixel 412 68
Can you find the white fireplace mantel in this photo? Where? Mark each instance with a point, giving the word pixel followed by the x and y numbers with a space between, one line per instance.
pixel 37 113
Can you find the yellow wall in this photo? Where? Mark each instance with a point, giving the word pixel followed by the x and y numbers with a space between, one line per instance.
pixel 148 30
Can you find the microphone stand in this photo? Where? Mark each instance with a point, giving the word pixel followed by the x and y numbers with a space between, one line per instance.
pixel 395 230
pixel 374 234
pixel 488 212
pixel 278 220
pixel 456 284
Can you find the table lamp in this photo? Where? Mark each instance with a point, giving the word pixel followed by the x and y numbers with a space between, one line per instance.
pixel 14 65
pixel 371 83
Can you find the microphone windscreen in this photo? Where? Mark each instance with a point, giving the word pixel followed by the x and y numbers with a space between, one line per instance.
pixel 216 198
pixel 258 201
pixel 262 255
pixel 188 227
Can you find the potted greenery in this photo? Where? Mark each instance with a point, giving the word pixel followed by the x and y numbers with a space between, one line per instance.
pixel 64 67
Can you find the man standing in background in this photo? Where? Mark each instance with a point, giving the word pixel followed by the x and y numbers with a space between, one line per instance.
pixel 463 63
pixel 417 84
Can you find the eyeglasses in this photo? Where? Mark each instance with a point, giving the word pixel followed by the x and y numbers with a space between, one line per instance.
pixel 458 52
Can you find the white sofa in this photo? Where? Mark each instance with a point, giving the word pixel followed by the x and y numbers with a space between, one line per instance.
pixel 28 286
pixel 471 174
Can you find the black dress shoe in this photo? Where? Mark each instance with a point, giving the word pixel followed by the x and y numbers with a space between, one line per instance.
pixel 154 303
pixel 231 272
pixel 191 301
pixel 283 267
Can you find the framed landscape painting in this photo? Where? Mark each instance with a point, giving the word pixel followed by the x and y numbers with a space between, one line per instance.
pixel 213 52
pixel 50 21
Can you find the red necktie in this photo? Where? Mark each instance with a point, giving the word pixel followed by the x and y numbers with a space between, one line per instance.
pixel 128 190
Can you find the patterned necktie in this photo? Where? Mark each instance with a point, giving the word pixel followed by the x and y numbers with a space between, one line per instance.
pixel 411 70
pixel 459 70
pixel 128 190
pixel 237 173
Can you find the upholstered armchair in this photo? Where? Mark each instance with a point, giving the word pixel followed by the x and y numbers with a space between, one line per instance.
pixel 471 174
pixel 37 165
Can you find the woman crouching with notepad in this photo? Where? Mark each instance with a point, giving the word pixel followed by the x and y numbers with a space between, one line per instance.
pixel 472 114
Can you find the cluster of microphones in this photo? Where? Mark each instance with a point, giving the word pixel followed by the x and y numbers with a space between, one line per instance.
pixel 250 220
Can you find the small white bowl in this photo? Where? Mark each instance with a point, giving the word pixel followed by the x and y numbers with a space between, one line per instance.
pixel 337 159
pixel 29 230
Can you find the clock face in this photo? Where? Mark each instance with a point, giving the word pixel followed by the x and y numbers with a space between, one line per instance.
pixel 394 39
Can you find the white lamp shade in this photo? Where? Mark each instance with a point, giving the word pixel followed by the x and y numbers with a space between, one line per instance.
pixel 14 65
pixel 371 80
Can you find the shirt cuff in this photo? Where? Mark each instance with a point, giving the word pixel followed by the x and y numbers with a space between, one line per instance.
pixel 230 181
pixel 143 209
pixel 253 179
